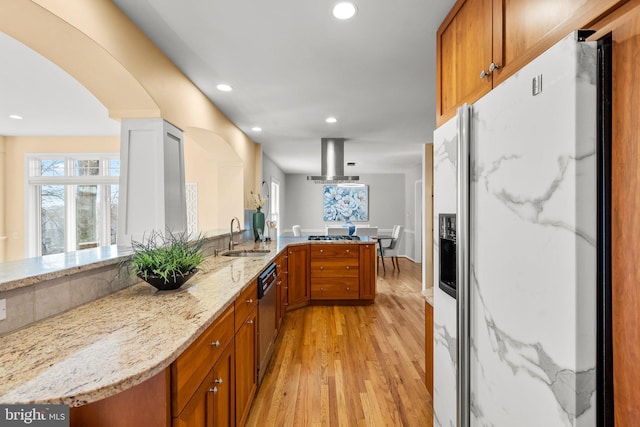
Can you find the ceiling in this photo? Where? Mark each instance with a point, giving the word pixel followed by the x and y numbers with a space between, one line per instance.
pixel 291 65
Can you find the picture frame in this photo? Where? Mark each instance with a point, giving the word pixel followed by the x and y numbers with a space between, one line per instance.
pixel 344 203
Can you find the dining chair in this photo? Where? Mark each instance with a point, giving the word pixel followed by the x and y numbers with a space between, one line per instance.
pixel 391 249
pixel 365 231
pixel 297 231
pixel 337 231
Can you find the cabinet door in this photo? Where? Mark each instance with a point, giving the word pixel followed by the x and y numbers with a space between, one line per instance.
pixel 223 390
pixel 299 291
pixel 464 50
pixel 199 410
pixel 532 26
pixel 246 367
pixel 281 289
pixel 368 272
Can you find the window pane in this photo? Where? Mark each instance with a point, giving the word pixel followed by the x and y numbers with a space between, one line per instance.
pixel 114 167
pixel 115 197
pixel 52 167
pixel 52 218
pixel 87 167
pixel 87 209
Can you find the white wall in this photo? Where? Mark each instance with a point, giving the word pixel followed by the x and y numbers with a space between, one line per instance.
pixel 387 203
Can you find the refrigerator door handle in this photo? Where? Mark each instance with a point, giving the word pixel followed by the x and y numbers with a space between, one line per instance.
pixel 463 403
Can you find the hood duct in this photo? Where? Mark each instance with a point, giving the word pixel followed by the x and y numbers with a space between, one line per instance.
pixel 332 166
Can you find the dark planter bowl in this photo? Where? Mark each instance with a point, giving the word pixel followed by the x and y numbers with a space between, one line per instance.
pixel 159 283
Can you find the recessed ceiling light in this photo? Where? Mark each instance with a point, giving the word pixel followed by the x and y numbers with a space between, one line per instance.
pixel 15 117
pixel 344 10
pixel 331 120
pixel 256 129
pixel 224 87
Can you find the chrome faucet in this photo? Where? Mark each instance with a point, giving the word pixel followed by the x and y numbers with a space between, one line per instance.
pixel 231 242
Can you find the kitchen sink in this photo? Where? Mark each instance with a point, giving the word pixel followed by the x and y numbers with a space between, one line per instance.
pixel 247 252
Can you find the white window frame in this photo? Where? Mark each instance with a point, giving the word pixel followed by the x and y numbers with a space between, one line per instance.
pixel 274 202
pixel 34 182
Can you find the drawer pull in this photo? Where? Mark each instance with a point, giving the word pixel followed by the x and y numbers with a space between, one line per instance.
pixel 347 267
pixel 215 344
pixel 213 390
pixel 321 268
pixel 321 250
pixel 322 289
pixel 348 289
pixel 249 322
pixel 250 301
pixel 347 251
pixel 218 381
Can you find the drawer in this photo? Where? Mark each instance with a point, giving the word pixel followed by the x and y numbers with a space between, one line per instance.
pixel 193 365
pixel 348 267
pixel 331 250
pixel 247 301
pixel 336 288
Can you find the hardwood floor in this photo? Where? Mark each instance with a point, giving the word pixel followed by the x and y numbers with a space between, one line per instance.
pixel 351 365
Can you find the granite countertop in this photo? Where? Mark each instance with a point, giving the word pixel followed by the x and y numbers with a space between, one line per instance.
pixel 116 342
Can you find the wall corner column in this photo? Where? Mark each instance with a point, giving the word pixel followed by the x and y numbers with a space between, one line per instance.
pixel 152 180
pixel 3 192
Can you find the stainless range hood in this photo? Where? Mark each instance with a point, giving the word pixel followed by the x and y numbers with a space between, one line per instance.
pixel 332 166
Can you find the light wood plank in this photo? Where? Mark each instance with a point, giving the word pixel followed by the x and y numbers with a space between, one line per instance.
pixel 351 365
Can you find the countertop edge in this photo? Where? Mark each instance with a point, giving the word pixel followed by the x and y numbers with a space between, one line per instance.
pixel 105 389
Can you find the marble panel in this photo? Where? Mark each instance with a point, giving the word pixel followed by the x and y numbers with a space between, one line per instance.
pixel 444 314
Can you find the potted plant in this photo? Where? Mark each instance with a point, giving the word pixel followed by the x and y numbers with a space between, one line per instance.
pixel 166 261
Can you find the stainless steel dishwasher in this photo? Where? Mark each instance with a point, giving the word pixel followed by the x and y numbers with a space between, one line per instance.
pixel 266 317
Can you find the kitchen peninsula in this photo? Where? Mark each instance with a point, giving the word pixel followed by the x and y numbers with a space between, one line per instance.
pixel 132 338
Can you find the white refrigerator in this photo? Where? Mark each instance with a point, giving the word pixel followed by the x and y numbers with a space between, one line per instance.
pixel 516 343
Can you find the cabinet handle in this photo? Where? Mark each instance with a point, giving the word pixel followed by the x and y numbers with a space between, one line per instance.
pixel 215 344
pixel 321 268
pixel 483 74
pixel 249 322
pixel 321 250
pixel 348 289
pixel 250 301
pixel 322 289
pixel 213 390
pixel 493 67
pixel 218 381
pixel 347 267
pixel 347 251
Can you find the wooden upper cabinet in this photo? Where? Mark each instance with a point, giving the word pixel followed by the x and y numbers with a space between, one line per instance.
pixel 464 50
pixel 506 33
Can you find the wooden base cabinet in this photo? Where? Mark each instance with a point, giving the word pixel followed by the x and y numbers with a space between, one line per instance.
pixel 367 269
pixel 428 347
pixel 335 271
pixel 282 268
pixel 212 405
pixel 246 353
pixel 299 289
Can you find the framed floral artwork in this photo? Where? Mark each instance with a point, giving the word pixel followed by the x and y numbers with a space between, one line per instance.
pixel 345 203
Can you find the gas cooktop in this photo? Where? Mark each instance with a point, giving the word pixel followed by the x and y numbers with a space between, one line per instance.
pixel 334 238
